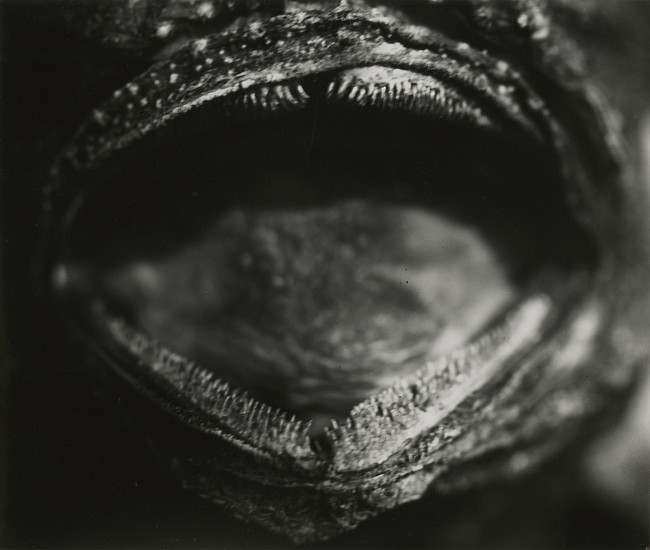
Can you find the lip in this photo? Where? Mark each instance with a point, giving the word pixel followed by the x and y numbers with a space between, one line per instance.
pixel 446 411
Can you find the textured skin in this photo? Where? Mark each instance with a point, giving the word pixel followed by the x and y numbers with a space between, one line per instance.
pixel 389 451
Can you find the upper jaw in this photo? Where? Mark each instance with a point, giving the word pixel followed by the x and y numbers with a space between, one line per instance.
pixel 288 52
pixel 440 422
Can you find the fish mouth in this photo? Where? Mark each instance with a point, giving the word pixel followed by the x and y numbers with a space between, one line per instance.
pixel 302 239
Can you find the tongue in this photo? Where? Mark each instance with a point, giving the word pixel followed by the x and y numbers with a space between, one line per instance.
pixel 315 309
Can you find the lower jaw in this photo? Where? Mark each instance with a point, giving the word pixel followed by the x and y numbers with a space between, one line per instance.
pixel 318 393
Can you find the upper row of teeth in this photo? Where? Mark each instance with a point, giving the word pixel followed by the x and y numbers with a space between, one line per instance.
pixel 377 87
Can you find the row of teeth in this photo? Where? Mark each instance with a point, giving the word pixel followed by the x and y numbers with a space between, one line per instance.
pixel 261 425
pixel 387 421
pixel 269 98
pixel 423 97
pixel 374 87
pixel 383 423
pixel 426 97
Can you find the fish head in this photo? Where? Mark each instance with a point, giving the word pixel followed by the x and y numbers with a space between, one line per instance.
pixel 342 254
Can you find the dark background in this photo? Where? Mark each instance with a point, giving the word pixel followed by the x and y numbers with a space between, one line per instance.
pixel 74 475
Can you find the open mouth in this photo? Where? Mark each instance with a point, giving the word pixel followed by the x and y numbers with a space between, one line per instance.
pixel 366 236
pixel 318 255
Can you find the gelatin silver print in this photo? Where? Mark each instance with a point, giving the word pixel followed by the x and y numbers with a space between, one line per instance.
pixel 325 273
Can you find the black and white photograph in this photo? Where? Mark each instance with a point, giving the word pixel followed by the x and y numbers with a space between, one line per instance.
pixel 325 274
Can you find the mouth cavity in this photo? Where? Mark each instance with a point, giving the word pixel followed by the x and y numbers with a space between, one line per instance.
pixel 328 238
